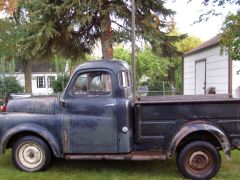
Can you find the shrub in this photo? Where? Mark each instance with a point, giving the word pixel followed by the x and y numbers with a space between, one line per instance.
pixel 9 84
pixel 60 83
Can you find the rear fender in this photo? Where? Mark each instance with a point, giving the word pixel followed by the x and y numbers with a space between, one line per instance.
pixel 190 128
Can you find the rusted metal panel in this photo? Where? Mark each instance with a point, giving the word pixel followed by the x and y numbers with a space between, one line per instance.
pixel 158 123
pixel 90 120
pixel 135 156
pixel 186 99
pixel 199 126
pixel 124 119
pixel 46 126
pixel 32 105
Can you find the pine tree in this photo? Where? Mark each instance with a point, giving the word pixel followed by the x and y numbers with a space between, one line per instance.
pixel 72 27
pixel 66 26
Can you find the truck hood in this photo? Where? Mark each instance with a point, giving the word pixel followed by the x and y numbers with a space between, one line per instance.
pixel 32 105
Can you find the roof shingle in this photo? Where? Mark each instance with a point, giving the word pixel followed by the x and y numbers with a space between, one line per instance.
pixel 209 43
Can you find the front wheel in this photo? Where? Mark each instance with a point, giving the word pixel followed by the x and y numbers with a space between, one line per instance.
pixel 31 154
pixel 199 160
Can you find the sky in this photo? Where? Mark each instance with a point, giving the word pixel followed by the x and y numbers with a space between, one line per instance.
pixel 187 13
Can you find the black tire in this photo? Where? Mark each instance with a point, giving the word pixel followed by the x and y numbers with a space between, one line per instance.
pixel 31 154
pixel 199 160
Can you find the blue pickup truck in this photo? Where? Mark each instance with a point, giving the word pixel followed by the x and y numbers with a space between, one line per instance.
pixel 97 118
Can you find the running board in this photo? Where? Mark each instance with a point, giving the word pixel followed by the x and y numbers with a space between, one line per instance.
pixel 136 156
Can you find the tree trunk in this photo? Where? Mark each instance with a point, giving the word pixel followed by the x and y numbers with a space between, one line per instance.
pixel 106 37
pixel 27 66
pixel 170 76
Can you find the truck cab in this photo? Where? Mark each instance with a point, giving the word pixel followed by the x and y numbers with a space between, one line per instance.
pixel 96 107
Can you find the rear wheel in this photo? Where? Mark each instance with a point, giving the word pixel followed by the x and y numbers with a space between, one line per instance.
pixel 31 154
pixel 199 160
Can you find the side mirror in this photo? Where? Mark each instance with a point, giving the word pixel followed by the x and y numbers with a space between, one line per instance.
pixel 60 99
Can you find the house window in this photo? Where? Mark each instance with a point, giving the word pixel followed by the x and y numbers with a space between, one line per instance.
pixel 40 82
pixel 50 80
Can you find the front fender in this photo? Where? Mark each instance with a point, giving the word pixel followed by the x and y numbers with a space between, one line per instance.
pixel 32 128
pixel 190 128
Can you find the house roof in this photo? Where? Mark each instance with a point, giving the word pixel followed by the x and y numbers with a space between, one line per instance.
pixel 207 44
pixel 37 68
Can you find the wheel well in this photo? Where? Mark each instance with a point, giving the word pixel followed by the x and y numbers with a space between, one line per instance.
pixel 199 136
pixel 19 135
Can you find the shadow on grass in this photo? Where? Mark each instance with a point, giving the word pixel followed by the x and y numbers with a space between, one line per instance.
pixel 112 170
pixel 152 168
pixel 74 169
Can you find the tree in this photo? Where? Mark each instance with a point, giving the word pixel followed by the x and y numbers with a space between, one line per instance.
pixel 215 10
pixel 86 21
pixel 157 67
pixel 72 27
pixel 36 35
pixel 231 26
pixel 147 64
pixel 187 44
pixel 231 35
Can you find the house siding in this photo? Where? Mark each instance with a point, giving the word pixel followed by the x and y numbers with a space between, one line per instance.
pixel 35 90
pixel 216 70
pixel 41 91
pixel 236 78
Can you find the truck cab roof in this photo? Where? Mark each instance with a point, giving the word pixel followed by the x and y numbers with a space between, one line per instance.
pixel 115 65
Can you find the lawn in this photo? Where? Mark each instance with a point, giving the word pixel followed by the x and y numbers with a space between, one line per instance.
pixel 116 170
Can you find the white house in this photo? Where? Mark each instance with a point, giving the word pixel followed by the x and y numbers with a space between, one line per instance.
pixel 42 77
pixel 206 70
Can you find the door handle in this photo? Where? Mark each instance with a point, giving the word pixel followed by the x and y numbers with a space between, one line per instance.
pixel 109 105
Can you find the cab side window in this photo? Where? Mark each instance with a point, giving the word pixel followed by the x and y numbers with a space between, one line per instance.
pixel 124 79
pixel 93 83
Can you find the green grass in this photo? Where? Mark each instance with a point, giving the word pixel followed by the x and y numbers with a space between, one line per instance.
pixel 112 170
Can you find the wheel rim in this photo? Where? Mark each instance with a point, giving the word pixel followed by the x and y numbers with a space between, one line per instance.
pixel 30 155
pixel 199 162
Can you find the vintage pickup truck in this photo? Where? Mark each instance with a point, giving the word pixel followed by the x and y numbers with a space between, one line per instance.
pixel 97 118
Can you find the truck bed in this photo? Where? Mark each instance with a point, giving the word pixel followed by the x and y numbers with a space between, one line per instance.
pixel 158 119
pixel 185 98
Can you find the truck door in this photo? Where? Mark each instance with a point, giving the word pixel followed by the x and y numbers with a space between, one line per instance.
pixel 90 109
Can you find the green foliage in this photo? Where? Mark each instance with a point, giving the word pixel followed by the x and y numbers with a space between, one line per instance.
pixel 72 27
pixel 178 75
pixel 188 43
pixel 122 53
pixel 7 39
pixel 214 8
pixel 221 2
pixel 7 66
pixel 60 83
pixel 60 64
pixel 161 71
pixel 9 84
pixel 148 64
pixel 230 40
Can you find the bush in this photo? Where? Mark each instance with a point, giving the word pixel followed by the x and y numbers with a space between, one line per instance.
pixel 60 83
pixel 9 84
